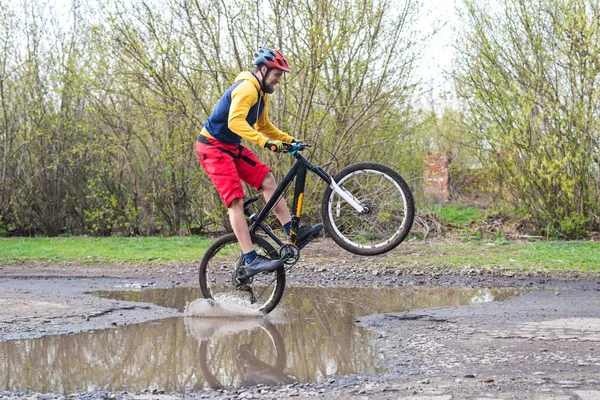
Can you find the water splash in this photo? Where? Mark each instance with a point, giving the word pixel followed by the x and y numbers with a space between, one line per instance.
pixel 224 306
pixel 226 315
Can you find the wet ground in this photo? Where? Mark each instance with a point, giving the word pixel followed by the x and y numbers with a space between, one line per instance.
pixel 421 342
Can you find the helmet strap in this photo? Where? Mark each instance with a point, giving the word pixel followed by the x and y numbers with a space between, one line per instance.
pixel 263 77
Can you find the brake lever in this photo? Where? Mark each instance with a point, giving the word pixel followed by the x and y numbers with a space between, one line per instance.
pixel 291 147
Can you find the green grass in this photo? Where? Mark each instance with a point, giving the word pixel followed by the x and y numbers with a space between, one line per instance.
pixel 458 215
pixel 542 256
pixel 103 250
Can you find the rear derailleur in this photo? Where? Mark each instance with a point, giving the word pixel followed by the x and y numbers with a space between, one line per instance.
pixel 241 281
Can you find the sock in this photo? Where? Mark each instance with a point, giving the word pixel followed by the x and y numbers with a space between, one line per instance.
pixel 287 228
pixel 249 257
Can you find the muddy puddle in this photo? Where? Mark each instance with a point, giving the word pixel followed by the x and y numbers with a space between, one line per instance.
pixel 311 337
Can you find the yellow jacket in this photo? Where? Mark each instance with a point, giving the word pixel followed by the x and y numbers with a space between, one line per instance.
pixel 242 113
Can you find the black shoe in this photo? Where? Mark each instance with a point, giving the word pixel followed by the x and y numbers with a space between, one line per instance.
pixel 306 234
pixel 261 264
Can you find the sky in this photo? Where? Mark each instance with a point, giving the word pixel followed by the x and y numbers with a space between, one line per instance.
pixel 438 53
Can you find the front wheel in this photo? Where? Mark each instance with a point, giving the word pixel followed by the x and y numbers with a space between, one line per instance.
pixel 387 215
pixel 221 267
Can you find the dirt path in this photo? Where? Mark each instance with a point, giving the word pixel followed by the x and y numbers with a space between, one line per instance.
pixel 545 344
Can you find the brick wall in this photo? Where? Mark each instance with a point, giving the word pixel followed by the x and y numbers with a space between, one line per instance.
pixel 435 175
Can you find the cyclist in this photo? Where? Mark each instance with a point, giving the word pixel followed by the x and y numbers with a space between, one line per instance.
pixel 242 113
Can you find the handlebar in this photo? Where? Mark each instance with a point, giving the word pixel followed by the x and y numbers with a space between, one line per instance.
pixel 294 147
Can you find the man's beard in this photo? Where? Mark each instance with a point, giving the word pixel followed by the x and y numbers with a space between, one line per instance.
pixel 269 89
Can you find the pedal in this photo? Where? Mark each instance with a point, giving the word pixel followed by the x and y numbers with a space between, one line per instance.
pixel 306 241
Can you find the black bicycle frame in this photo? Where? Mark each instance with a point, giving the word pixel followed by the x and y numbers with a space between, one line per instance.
pixel 297 171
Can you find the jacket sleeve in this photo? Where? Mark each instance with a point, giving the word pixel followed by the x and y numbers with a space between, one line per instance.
pixel 264 126
pixel 243 97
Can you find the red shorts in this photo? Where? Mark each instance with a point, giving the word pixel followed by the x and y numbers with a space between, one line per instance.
pixel 229 164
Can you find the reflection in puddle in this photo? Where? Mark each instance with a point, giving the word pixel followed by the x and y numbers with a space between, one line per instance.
pixel 312 336
pixel 258 358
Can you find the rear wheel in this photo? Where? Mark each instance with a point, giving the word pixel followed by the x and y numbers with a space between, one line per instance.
pixel 388 209
pixel 221 267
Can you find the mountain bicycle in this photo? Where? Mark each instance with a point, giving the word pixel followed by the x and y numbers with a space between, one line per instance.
pixel 367 209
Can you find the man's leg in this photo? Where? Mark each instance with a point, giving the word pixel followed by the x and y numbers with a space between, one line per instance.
pixel 223 172
pixel 259 262
pixel 239 225
pixel 305 233
pixel 281 209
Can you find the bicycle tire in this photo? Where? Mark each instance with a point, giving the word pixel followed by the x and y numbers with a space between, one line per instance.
pixel 391 205
pixel 218 266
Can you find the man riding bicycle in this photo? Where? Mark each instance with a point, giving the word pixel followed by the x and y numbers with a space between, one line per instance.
pixel 243 107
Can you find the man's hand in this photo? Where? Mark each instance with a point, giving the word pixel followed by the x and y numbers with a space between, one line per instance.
pixel 274 145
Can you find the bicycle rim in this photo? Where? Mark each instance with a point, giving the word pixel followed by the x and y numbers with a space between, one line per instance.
pixel 390 205
pixel 218 280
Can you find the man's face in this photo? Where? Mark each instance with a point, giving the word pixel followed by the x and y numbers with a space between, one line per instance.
pixel 273 78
